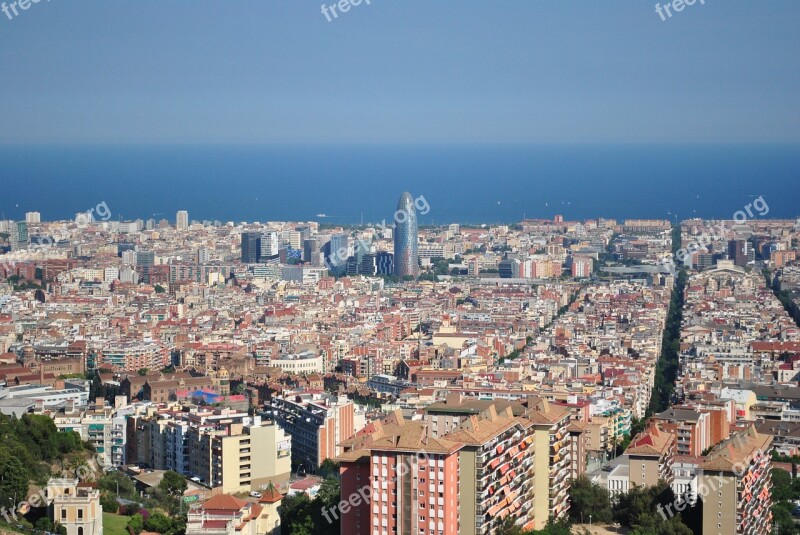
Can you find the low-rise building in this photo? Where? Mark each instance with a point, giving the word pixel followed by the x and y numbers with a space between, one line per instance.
pixel 76 506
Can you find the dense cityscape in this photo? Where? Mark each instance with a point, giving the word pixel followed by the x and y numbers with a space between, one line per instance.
pixel 399 267
pixel 296 377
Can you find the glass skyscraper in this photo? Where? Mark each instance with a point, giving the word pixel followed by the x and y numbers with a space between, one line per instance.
pixel 406 258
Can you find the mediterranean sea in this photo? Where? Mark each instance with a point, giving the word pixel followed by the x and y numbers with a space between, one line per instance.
pixel 470 184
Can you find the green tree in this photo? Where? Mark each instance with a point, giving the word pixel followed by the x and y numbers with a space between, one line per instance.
pixel 304 527
pixel 329 469
pixel 142 371
pixel 173 483
pixel 136 523
pixel 329 493
pixel 782 519
pixel 158 522
pixel 111 481
pixel 109 502
pixel 638 510
pixel 13 481
pixel 159 289
pixel 508 527
pixel 44 524
pixel 293 511
pixel 587 498
pixel 783 488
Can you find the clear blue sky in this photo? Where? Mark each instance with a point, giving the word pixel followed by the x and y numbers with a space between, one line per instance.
pixel 262 71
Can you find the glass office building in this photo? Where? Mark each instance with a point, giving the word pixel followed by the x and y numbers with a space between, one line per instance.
pixel 406 257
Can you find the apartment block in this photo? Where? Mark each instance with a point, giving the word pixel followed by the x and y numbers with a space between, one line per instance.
pixel 413 480
pixel 225 450
pixel 497 470
pixel 552 460
pixel 736 474
pixel 691 428
pixel 648 460
pixel 249 455
pixel 317 423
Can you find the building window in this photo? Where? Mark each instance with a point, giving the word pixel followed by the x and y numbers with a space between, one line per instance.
pixel 63 514
pixel 80 514
pixel 80 531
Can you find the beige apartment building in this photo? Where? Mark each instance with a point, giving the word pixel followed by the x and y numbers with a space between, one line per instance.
pixel 650 456
pixel 223 450
pixel 250 456
pixel 735 486
pixel 552 462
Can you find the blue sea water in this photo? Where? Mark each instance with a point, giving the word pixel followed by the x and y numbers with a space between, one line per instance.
pixel 461 183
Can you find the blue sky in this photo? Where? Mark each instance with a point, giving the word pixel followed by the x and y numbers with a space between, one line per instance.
pixel 411 71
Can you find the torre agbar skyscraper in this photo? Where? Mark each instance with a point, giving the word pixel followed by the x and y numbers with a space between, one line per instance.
pixel 406 260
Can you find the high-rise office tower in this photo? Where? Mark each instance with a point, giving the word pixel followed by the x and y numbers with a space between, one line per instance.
pixel 270 246
pixel 406 258
pixel 336 254
pixel 311 252
pixel 182 220
pixel 145 262
pixel 251 241
pixel 18 235
pixel 33 217
pixel 741 252
pixel 380 263
pixel 145 258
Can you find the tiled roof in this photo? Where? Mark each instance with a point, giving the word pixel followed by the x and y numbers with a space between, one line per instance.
pixel 736 450
pixel 652 441
pixel 224 502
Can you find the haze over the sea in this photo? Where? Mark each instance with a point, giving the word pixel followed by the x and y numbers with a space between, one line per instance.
pixel 462 183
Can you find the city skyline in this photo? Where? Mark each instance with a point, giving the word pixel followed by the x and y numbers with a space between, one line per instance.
pixel 380 267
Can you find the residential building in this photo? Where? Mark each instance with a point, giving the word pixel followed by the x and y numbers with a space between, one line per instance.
pixel 413 480
pixel 317 423
pixel 497 471
pixel 737 475
pixel 691 428
pixel 182 220
pixel 224 514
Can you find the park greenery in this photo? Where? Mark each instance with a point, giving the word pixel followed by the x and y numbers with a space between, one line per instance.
pixel 33 450
pixel 668 364
pixel 637 510
pixel 785 490
pixel 159 509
